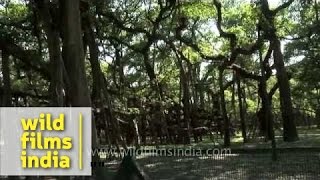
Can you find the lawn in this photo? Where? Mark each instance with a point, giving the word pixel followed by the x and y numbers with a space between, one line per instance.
pixel 308 138
pixel 300 161
pixel 235 166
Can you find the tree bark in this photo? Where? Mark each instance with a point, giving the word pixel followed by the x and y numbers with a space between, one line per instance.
pixel 318 116
pixel 289 127
pixel 184 81
pixel 241 111
pixel 53 39
pixel 266 105
pixel 7 94
pixel 74 55
pixel 78 90
pixel 225 117
pixel 100 94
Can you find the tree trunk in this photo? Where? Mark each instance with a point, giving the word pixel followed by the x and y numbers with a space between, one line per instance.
pixel 78 90
pixel 7 98
pixel 151 74
pixel 233 114
pixel 56 62
pixel 318 116
pixel 266 106
pixel 100 94
pixel 156 86
pixel 202 96
pixel 289 127
pixel 74 55
pixel 241 110
pixel 225 117
pixel 184 81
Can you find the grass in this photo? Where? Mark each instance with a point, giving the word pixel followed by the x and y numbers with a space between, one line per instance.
pixel 308 138
pixel 236 166
pixel 302 164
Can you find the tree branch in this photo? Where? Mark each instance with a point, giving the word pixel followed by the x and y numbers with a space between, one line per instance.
pixel 282 6
pixel 28 57
pixel 243 73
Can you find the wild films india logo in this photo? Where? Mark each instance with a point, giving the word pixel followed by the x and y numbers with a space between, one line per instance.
pixel 45 141
pixel 37 141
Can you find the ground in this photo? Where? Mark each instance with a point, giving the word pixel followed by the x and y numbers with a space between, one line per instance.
pixel 236 166
pixel 297 160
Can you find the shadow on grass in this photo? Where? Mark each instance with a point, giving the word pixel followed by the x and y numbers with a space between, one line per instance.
pixel 235 166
